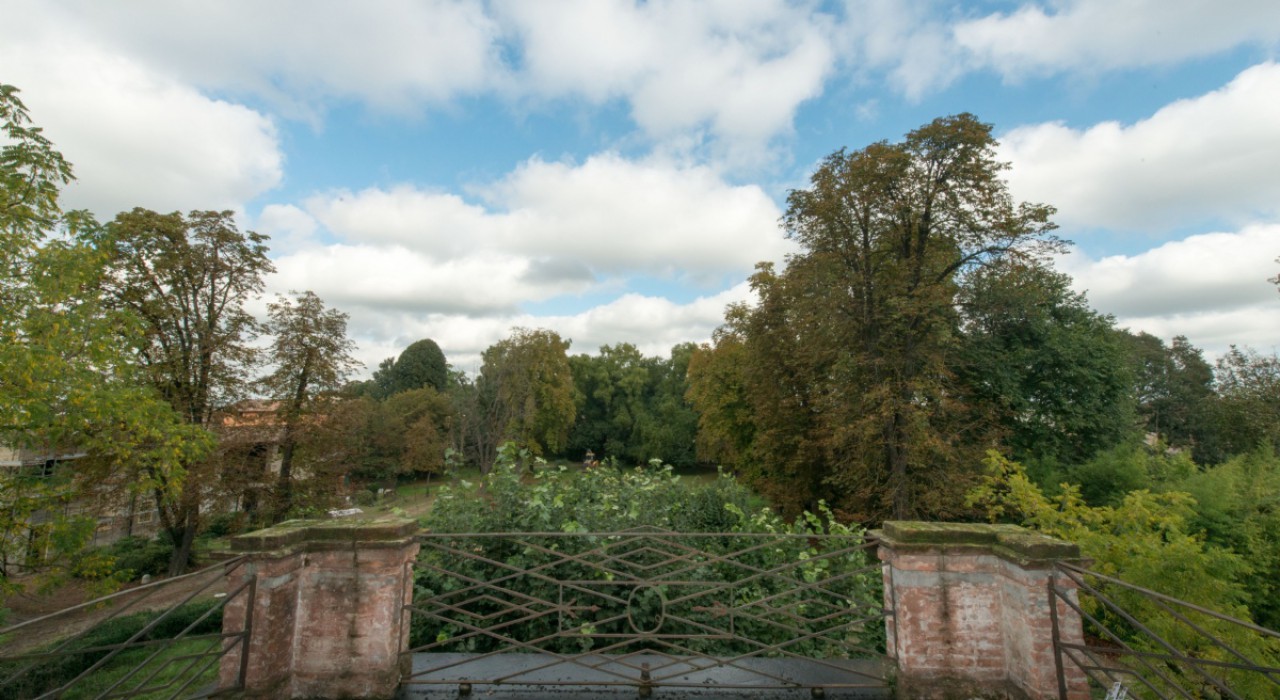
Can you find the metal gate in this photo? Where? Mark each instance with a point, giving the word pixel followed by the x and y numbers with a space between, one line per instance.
pixel 1142 644
pixel 132 646
pixel 646 609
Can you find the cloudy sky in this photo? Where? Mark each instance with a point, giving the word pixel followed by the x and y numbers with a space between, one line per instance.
pixel 613 169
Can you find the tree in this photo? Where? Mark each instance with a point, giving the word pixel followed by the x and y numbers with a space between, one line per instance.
pixel 524 394
pixel 612 388
pixel 187 278
pixel 421 364
pixel 1175 394
pixel 851 344
pixel 1051 372
pixel 312 357
pixel 1247 410
pixel 67 384
pixel 668 429
pixel 408 433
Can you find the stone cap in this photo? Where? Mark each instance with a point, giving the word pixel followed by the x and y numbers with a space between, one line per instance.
pixel 1012 542
pixel 321 534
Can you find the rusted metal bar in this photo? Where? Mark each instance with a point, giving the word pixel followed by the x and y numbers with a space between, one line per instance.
pixel 794 603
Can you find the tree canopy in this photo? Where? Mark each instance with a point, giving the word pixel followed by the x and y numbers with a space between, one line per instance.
pixel 848 354
pixel 524 393
pixel 187 280
pixel 312 358
pixel 69 381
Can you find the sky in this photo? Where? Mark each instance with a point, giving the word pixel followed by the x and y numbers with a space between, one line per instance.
pixel 613 170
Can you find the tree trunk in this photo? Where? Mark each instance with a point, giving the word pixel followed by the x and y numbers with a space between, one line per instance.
pixel 183 541
pixel 284 486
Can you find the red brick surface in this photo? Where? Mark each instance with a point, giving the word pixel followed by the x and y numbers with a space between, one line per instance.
pixel 326 619
pixel 971 623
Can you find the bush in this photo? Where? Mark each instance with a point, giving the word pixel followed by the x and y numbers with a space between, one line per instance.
pixel 692 549
pixel 226 524
pixel 140 556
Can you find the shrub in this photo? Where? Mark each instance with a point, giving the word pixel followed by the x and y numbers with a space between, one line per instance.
pixel 697 522
pixel 141 556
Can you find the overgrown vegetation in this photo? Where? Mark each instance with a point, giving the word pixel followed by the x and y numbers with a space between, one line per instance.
pixel 1155 541
pixel 581 503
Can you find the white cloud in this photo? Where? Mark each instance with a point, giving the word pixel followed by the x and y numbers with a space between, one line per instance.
pixel 608 214
pixel 1208 158
pixel 1212 287
pixel 910 39
pixel 736 71
pixel 652 324
pixel 731 74
pixel 393 277
pixel 289 227
pixel 394 54
pixel 135 136
pixel 1096 35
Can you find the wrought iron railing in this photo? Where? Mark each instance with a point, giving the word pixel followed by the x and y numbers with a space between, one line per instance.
pixel 1142 644
pixel 649 608
pixel 129 649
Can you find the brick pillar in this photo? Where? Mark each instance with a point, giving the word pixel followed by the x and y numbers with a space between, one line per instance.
pixel 326 615
pixel 971 611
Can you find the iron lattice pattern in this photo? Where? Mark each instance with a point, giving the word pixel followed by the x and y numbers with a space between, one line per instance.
pixel 1142 644
pixel 131 646
pixel 648 608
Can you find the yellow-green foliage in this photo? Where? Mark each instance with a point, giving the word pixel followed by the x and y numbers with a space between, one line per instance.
pixel 1146 541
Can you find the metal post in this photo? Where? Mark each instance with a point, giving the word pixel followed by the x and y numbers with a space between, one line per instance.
pixel 1057 650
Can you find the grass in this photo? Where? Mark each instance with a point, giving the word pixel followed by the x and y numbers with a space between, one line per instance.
pixel 186 665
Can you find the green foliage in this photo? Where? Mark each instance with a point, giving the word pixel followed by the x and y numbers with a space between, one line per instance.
pixel 847 359
pixel 524 394
pixel 70 382
pixel 1238 507
pixel 57 670
pixel 135 557
pixel 420 365
pixel 1146 540
pixel 406 434
pixel 1247 413
pixel 1175 394
pixel 632 407
pixel 591 503
pixel 1110 476
pixel 1047 369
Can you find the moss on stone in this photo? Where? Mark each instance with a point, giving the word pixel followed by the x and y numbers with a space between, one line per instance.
pixel 1011 542
pixel 296 532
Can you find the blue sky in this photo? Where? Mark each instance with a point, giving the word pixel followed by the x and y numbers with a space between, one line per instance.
pixel 612 170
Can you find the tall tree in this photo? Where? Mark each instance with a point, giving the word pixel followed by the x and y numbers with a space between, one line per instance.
pixel 1051 372
pixel 422 364
pixel 67 384
pixel 524 393
pixel 312 357
pixel 187 278
pixel 668 428
pixel 1247 410
pixel 859 328
pixel 1175 393
pixel 612 388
